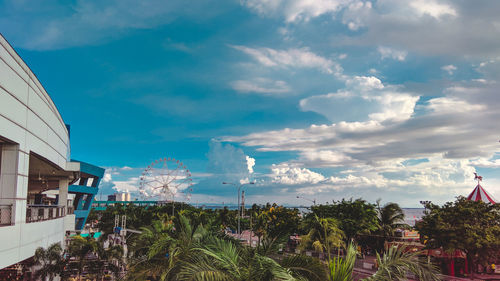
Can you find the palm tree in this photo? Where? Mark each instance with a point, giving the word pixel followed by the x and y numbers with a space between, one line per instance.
pixel 222 259
pixel 323 235
pixel 80 248
pixel 50 261
pixel 110 259
pixel 161 248
pixel 303 267
pixel 390 217
pixel 397 263
pixel 341 268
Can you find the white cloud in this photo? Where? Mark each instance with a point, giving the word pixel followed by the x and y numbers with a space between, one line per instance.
pixel 454 134
pixel 355 13
pixel 250 163
pixel 446 105
pixel 107 177
pixel 229 161
pixel 295 10
pixel 386 52
pixel 261 86
pixel 428 27
pixel 449 68
pixel 372 100
pixel 364 83
pixel 291 58
pixel 129 185
pixel 288 174
pixel 433 8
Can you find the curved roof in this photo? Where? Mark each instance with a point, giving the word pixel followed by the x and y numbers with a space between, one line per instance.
pixel 480 194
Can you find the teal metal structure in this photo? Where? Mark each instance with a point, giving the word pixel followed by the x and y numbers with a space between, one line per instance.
pixel 102 205
pixel 85 190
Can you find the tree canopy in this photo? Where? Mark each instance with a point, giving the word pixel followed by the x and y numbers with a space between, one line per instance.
pixel 471 226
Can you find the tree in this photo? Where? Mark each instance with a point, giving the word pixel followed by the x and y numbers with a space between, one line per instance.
pixel 355 217
pixel 222 259
pixel 81 248
pixel 162 248
pixel 396 263
pixel 50 260
pixel 390 218
pixel 107 260
pixel 341 269
pixel 323 235
pixel 470 226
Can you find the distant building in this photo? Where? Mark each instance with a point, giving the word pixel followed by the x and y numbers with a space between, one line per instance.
pixel 43 193
pixel 112 197
pixel 122 196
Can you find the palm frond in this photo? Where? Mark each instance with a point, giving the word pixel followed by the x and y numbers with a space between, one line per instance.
pixel 396 264
pixel 340 269
pixel 305 268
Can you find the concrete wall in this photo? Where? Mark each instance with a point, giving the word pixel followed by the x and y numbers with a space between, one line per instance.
pixel 29 122
pixel 19 242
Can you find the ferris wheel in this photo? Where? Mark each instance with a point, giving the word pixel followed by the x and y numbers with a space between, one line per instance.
pixel 165 178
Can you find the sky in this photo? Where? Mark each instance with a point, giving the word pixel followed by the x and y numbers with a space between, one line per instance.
pixel 323 99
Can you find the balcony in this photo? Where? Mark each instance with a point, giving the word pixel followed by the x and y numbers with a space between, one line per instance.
pixel 36 213
pixel 5 214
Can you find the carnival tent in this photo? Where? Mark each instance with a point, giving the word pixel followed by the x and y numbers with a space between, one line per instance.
pixel 480 194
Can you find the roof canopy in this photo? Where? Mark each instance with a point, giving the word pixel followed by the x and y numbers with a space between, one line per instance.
pixel 479 194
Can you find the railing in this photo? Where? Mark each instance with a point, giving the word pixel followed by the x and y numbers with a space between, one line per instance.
pixel 71 210
pixel 5 214
pixel 36 213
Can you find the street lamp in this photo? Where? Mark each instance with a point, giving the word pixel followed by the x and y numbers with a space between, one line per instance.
pixel 313 201
pixel 239 207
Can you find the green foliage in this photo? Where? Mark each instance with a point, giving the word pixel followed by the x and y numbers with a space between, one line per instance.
pixel 396 264
pixel 50 261
pixel 390 218
pixel 341 269
pixel 275 222
pixel 305 268
pixel 471 226
pixel 223 260
pixel 355 217
pixel 323 236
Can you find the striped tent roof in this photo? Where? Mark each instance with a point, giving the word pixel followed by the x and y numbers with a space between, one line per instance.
pixel 479 194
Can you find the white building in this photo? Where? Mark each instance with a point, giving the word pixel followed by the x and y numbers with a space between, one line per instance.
pixel 122 196
pixel 34 159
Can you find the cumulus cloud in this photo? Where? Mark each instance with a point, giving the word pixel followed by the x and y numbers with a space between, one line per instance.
pixel 371 99
pixel 225 159
pixel 226 163
pixel 288 174
pixel 261 86
pixel 107 177
pixel 130 185
pixel 250 163
pixel 453 133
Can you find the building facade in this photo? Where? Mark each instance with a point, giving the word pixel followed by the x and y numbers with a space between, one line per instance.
pixel 43 193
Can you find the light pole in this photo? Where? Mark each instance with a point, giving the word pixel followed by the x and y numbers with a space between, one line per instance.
pixel 239 207
pixel 313 201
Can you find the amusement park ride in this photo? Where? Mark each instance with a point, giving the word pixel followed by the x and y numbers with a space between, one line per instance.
pixel 166 178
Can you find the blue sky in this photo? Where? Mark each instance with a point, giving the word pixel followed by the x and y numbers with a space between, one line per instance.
pixel 323 99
